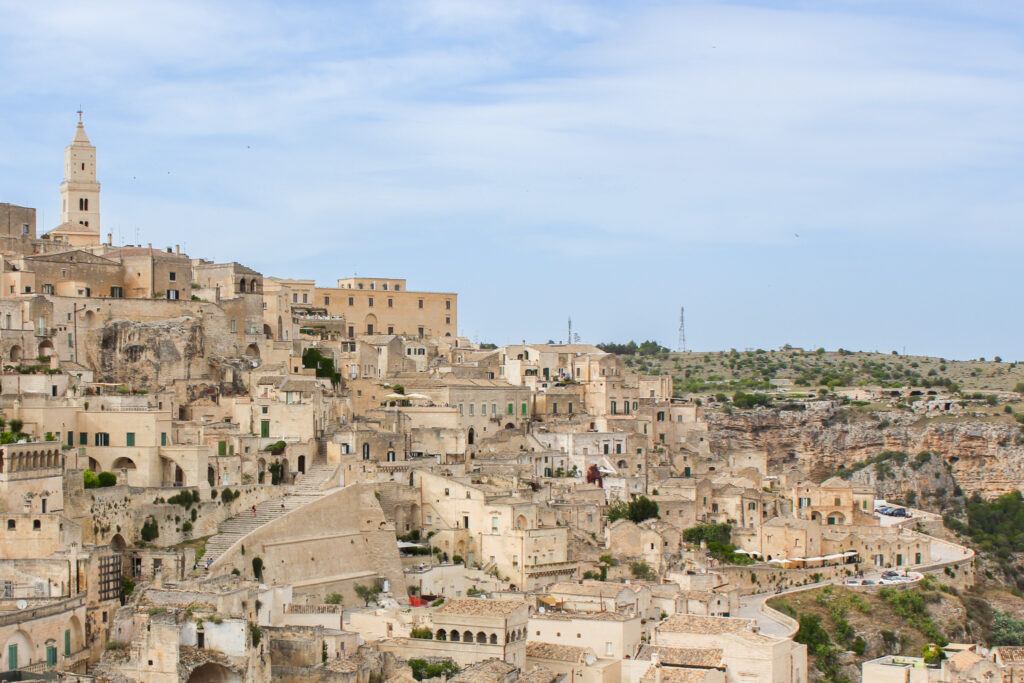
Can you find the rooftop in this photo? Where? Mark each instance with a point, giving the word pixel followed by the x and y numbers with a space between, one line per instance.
pixel 480 607
pixel 691 623
pixel 597 590
pixel 683 656
pixel 674 675
pixel 487 671
pixel 561 653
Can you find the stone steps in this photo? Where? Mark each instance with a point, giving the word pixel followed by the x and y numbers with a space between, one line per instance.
pixel 235 528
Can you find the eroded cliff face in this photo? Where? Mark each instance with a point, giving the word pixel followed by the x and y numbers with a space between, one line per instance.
pixel 147 354
pixel 985 456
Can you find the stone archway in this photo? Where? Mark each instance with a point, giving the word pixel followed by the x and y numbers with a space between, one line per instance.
pixel 253 351
pixel 75 637
pixel 470 437
pixel 45 349
pixel 17 650
pixel 15 354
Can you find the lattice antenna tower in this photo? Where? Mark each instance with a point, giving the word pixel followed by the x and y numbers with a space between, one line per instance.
pixel 682 329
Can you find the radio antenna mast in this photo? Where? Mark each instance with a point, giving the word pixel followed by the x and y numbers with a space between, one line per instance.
pixel 682 330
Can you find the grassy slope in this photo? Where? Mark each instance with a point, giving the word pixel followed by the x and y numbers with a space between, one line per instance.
pixel 727 370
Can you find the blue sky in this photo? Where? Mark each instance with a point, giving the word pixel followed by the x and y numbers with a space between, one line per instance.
pixel 814 173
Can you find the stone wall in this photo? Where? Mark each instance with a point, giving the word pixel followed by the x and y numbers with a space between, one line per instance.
pixel 324 546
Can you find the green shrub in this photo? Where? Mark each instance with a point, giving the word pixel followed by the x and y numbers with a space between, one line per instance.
pixel 334 599
pixel 150 530
pixel 421 633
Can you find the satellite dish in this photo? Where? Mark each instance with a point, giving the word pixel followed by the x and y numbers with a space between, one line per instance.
pixel 22 604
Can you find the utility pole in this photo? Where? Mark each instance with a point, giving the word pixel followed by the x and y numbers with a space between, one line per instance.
pixel 74 314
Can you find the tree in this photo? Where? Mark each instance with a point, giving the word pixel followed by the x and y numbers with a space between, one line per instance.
pixel 641 570
pixel 642 508
pixel 334 599
pixel 107 479
pixel 421 669
pixel 367 593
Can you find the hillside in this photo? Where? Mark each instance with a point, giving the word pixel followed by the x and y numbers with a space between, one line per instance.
pixel 844 628
pixel 727 371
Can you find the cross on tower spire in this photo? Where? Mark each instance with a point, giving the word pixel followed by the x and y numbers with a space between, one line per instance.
pixel 79 112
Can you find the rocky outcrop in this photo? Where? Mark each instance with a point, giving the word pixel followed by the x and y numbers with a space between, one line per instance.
pixel 986 456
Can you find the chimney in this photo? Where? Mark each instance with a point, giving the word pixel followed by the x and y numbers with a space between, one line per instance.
pixel 110 239
pixel 659 675
pixel 177 248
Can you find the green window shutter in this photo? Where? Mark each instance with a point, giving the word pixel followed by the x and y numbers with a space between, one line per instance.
pixel 265 428
pixel 222 447
pixel 12 657
pixel 163 438
pixel 71 438
pixel 83 438
pixel 511 409
pixel 524 409
pixel 51 655
pixel 231 449
pixel 67 643
pixel 130 439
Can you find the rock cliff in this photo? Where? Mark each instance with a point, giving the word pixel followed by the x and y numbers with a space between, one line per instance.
pixel 985 456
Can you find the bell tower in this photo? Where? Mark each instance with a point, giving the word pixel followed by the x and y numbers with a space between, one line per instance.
pixel 80 193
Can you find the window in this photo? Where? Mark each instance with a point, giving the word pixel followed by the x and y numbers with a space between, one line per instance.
pixel 24 228
pixel 129 439
pixel 172 294
pixel 523 409
pixel 384 286
pixel 36 525
pixel 448 305
pixel 83 204
pixel 163 438
pixel 116 292
pixel 327 301
pixel 608 649
pixel 305 298
pixel 421 303
pixel 351 301
pixel 391 303
pixel 295 298
pixel 370 302
pixel 420 330
pixel 234 326
pixel 172 276
pixel 11 525
pixel 398 288
pixel 447 320
pixel 47 289
pixel 391 329
pixel 511 409
pixel 101 439
pixel 471 407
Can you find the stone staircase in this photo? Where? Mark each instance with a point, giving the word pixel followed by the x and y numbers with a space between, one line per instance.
pixel 296 495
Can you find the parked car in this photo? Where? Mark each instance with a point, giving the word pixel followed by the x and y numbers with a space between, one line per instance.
pixel 889 574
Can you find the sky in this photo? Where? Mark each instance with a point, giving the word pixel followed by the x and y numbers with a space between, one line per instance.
pixel 839 173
